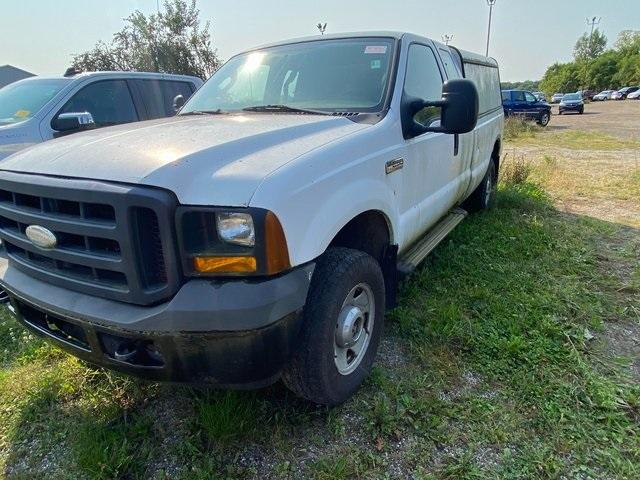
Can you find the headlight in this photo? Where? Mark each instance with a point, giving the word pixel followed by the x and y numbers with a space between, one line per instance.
pixel 236 228
pixel 224 241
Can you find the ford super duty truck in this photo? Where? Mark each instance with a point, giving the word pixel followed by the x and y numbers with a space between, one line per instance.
pixel 259 234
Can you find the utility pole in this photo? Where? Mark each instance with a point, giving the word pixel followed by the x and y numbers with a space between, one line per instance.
pixel 446 38
pixel 595 21
pixel 322 27
pixel 491 3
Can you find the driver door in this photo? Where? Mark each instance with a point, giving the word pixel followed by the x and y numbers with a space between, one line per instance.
pixel 432 173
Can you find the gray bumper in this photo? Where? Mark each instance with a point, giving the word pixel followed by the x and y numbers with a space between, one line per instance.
pixel 201 305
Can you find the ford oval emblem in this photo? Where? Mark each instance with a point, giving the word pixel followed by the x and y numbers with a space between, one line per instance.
pixel 41 237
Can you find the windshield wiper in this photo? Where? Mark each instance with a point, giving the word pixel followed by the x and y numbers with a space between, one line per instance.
pixel 282 108
pixel 203 112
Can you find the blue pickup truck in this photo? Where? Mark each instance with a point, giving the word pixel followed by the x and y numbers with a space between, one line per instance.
pixel 521 102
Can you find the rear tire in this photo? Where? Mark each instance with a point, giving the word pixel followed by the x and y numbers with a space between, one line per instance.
pixel 484 195
pixel 342 324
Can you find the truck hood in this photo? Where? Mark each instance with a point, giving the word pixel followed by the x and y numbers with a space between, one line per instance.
pixel 212 159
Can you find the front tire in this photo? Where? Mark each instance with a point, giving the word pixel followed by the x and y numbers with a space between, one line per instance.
pixel 342 324
pixel 544 119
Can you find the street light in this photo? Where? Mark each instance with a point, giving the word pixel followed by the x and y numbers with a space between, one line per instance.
pixel 491 3
pixel 446 38
pixel 322 27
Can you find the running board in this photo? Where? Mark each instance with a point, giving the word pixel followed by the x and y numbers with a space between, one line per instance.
pixel 410 260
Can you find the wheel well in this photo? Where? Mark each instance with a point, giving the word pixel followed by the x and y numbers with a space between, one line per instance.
pixel 495 156
pixel 368 232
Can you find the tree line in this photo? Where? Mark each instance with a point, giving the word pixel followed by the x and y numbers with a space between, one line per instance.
pixel 596 68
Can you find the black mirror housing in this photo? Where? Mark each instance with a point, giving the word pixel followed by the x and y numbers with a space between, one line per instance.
pixel 459 104
pixel 178 102
pixel 73 121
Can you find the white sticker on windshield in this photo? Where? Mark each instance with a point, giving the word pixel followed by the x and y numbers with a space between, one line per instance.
pixel 379 49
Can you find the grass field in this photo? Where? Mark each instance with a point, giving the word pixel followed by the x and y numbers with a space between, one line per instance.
pixel 511 355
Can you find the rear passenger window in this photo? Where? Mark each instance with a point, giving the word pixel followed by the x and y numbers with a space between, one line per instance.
pixel 518 96
pixel 108 101
pixel 158 96
pixel 423 81
pixel 449 65
pixel 506 96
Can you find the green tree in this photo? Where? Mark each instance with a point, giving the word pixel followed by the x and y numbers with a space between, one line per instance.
pixel 601 71
pixel 628 42
pixel 171 41
pixel 561 77
pixel 589 47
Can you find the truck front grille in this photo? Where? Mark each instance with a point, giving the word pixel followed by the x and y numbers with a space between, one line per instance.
pixel 113 241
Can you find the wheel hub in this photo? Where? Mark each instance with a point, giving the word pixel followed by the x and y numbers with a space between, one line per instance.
pixel 353 328
pixel 350 325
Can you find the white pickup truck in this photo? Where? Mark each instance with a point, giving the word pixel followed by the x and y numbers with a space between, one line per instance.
pixel 258 234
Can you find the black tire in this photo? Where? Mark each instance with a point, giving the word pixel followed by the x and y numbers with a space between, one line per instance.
pixel 544 119
pixel 581 111
pixel 484 195
pixel 312 372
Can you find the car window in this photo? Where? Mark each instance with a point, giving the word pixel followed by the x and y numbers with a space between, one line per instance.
pixel 158 95
pixel 20 101
pixel 529 97
pixel 506 96
pixel 518 97
pixel 449 65
pixel 108 101
pixel 424 81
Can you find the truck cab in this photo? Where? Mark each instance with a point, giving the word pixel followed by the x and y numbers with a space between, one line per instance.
pixel 260 233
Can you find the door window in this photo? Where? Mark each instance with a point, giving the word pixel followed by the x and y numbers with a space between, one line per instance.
pixel 529 97
pixel 108 101
pixel 449 65
pixel 158 95
pixel 518 97
pixel 424 81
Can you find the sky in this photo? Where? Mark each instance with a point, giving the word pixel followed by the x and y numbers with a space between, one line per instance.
pixel 527 35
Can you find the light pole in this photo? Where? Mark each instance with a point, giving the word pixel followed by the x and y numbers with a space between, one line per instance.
pixel 491 3
pixel 446 38
pixel 322 27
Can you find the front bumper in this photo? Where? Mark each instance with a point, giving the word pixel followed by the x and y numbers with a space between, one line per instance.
pixel 232 333
pixel 571 108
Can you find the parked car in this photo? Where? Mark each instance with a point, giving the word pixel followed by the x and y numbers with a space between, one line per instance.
pixel 634 95
pixel 557 97
pixel 603 96
pixel 540 96
pixel 258 234
pixel 623 92
pixel 520 102
pixel 40 108
pixel 587 94
pixel 571 102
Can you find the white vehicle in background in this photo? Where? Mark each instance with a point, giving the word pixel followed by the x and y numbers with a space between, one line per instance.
pixel 634 95
pixel 259 233
pixel 41 108
pixel 603 96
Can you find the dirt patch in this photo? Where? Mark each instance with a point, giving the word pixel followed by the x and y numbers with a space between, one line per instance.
pixel 617 118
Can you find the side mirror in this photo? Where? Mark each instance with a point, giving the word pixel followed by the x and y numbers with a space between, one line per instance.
pixel 178 102
pixel 73 121
pixel 459 110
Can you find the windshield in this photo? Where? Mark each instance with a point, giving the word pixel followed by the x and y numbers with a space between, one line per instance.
pixel 572 96
pixel 21 100
pixel 349 75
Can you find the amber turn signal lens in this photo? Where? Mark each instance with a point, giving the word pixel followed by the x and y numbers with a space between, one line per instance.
pixel 224 264
pixel 276 251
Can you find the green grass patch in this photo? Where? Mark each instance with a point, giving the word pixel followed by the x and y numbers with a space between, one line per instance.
pixel 571 139
pixel 496 377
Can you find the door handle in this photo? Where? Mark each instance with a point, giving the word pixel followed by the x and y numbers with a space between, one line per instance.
pixel 456 144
